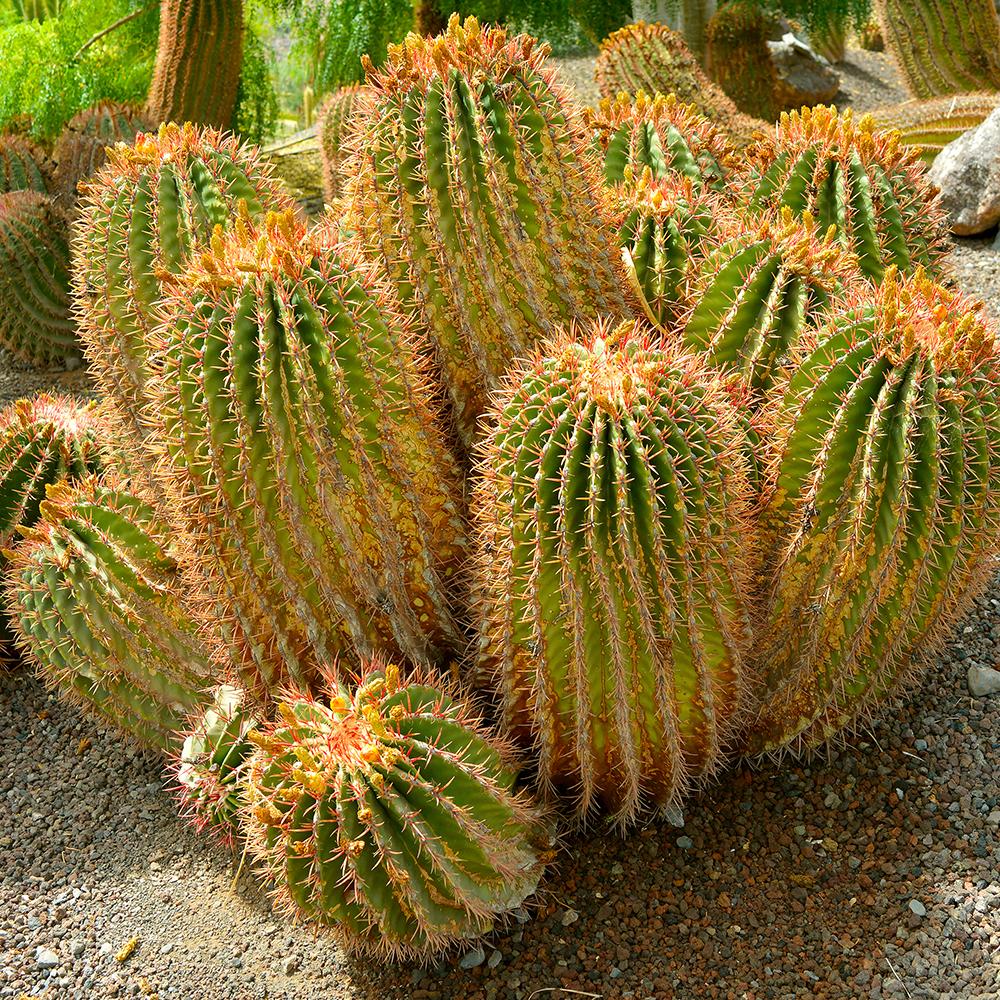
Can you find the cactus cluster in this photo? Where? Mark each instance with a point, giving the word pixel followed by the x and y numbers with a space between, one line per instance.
pixel 928 126
pixel 739 60
pixel 23 166
pixel 332 130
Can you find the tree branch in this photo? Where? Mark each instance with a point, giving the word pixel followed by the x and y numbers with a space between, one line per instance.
pixel 111 27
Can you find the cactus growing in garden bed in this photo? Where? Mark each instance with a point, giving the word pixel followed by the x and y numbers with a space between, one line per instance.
pixel 332 131
pixel 886 508
pixel 613 568
pixel 928 126
pixel 23 166
pixel 476 191
pixel 389 814
pixel 36 324
pixel 739 60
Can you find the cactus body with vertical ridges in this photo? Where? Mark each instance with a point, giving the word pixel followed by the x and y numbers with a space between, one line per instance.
pixel 886 509
pixel 388 813
pixel 92 593
pixel 613 568
pixel 739 60
pixel 476 190
pixel 848 174
pixel 23 166
pixel 303 449
pixel 36 322
pixel 333 120
pixel 930 125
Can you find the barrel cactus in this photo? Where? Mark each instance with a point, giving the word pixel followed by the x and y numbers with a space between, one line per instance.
pixel 886 513
pixel 474 189
pixel 332 130
pixel 613 569
pixel 389 814
pixel 36 323
pixel 93 596
pixel 739 60
pixel 928 126
pixel 305 452
pixel 848 174
pixel 23 166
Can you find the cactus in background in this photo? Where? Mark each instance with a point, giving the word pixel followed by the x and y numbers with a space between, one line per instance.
pixel 390 815
pixel 662 134
pixel 768 281
pixel 739 61
pixel 870 36
pixel 928 126
pixel 306 454
pixel 93 595
pixel 23 166
pixel 886 513
pixel 830 40
pixel 81 149
pixel 613 569
pixel 653 59
pixel 849 175
pixel 212 764
pixel 333 118
pixel 475 190
pixel 146 213
pixel 36 324
pixel 942 47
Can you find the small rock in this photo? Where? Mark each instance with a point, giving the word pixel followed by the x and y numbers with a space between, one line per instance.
pixel 967 171
pixel 803 76
pixel 685 843
pixel 472 959
pixel 166 949
pixel 984 681
pixel 615 972
pixel 46 958
pixel 920 744
pixel 290 965
pixel 569 917
pixel 832 801
pixel 496 957
pixel 994 818
pixel 918 908
pixel 77 948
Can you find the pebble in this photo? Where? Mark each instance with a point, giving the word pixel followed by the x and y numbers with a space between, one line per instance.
pixel 473 959
pixel 496 957
pixel 918 908
pixel 685 843
pixel 290 965
pixel 983 681
pixel 46 958
pixel 569 917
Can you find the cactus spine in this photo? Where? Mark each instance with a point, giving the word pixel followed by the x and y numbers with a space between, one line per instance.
pixel 613 568
pixel 93 596
pixel 942 47
pixel 23 166
pixel 739 60
pixel 928 126
pixel 849 175
pixel 389 815
pixel 475 190
pixel 36 324
pixel 886 509
pixel 304 451
pixel 333 120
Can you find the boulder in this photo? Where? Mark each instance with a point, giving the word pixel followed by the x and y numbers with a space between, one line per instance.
pixel 803 76
pixel 967 172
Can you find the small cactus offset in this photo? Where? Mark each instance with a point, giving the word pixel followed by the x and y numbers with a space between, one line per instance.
pixel 885 515
pixel 662 134
pixel 333 120
pixel 613 569
pixel 870 36
pixel 477 191
pixel 848 174
pixel 304 451
pixel 389 814
pixel 36 322
pixel 23 166
pixel 768 280
pixel 942 47
pixel 928 126
pixel 149 209
pixel 81 149
pixel 93 596
pixel 739 60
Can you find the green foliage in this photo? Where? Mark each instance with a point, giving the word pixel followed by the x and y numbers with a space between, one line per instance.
pixel 817 15
pixel 256 100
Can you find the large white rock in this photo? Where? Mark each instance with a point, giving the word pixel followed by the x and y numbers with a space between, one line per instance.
pixel 968 173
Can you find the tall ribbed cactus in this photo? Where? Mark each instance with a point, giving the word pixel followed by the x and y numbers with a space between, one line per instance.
pixel 612 574
pixel 92 592
pixel 662 134
pixel 333 119
pixel 389 814
pixel 146 213
pixel 849 175
pixel 767 281
pixel 36 324
pixel 305 454
pixel 739 60
pixel 943 47
pixel 477 191
pixel 928 126
pixel 886 513
pixel 23 166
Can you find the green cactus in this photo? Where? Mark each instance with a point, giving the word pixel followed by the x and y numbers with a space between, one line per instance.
pixel 36 324
pixel 739 60
pixel 333 118
pixel 390 815
pixel 849 175
pixel 305 453
pixel 885 515
pixel 146 213
pixel 475 191
pixel 613 568
pixel 928 126
pixel 662 134
pixel 942 47
pixel 870 36
pixel 23 166
pixel 92 592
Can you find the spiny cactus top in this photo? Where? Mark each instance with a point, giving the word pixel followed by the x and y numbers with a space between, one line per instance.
pixel 333 119
pixel 886 509
pixel 23 166
pixel 304 451
pixel 93 594
pixel 389 814
pixel 662 134
pixel 613 568
pixel 852 176
pixel 477 190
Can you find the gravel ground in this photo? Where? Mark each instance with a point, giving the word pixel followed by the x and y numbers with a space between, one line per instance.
pixel 872 872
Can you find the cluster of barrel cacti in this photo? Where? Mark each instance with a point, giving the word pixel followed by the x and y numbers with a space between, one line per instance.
pixel 568 458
